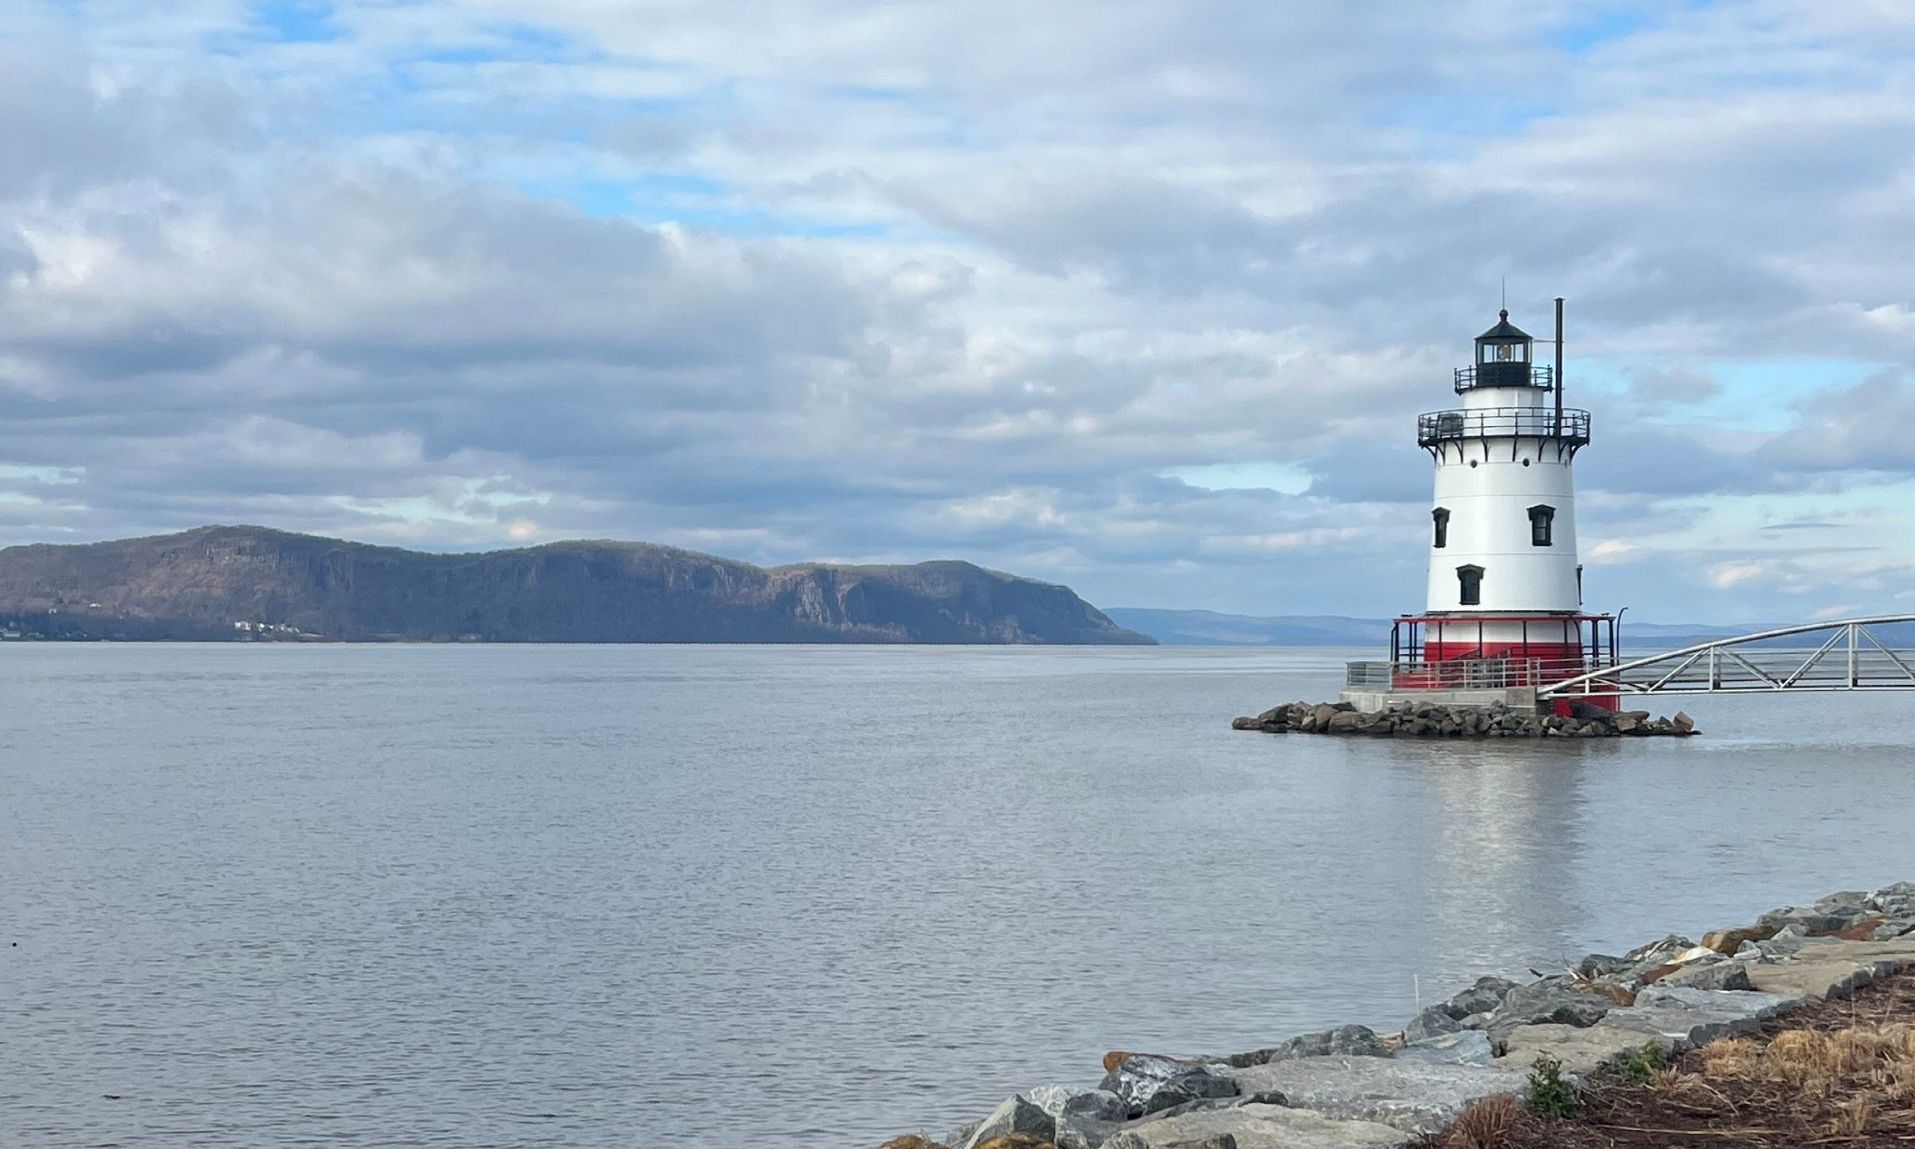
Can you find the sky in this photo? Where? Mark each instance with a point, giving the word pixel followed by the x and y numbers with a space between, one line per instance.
pixel 1139 297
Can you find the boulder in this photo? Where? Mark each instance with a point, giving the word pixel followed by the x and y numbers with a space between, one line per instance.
pixel 1581 1051
pixel 1860 931
pixel 1257 1127
pixel 1085 1118
pixel 1896 901
pixel 1679 1027
pixel 1729 941
pixel 1432 1022
pixel 1146 1083
pixel 1743 1003
pixel 1849 899
pixel 1344 723
pixel 1015 1114
pixel 1659 952
pixel 1017 1141
pixel 1347 1040
pixel 1550 1001
pixel 1483 996
pixel 1213 1141
pixel 1418 1097
pixel 1463 1047
pixel 1683 723
pixel 1709 975
pixel 1810 921
pixel 1603 965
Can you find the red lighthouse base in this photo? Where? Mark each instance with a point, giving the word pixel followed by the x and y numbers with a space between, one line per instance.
pixel 1501 651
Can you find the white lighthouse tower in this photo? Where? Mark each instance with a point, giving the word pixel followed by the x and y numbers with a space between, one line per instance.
pixel 1504 608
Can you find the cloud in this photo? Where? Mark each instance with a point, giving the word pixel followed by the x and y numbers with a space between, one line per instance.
pixel 1143 295
pixel 1728 576
pixel 1612 552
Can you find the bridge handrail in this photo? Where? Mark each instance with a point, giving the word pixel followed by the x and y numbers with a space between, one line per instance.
pixel 1611 672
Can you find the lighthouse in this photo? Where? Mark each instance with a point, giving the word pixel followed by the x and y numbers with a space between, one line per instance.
pixel 1503 611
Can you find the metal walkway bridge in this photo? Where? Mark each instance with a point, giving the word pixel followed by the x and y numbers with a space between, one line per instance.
pixel 1841 655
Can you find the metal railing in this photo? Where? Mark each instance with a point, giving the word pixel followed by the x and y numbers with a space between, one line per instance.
pixel 1466 673
pixel 1538 422
pixel 1502 375
pixel 1851 657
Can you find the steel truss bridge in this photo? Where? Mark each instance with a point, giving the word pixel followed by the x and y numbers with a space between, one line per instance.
pixel 1841 655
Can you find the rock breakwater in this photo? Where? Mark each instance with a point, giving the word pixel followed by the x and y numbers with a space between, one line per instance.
pixel 1353 1088
pixel 1433 720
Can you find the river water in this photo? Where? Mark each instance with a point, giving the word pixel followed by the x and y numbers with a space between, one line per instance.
pixel 747 897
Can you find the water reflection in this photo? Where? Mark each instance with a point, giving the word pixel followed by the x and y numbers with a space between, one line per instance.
pixel 1504 851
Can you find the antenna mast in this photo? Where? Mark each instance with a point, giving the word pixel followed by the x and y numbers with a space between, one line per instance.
pixel 1559 364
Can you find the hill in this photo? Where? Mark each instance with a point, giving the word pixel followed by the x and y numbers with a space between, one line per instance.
pixel 224 582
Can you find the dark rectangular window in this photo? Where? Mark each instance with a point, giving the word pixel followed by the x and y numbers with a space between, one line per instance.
pixel 1441 517
pixel 1470 579
pixel 1541 518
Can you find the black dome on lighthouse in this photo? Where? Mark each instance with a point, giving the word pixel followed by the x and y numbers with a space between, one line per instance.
pixel 1504 331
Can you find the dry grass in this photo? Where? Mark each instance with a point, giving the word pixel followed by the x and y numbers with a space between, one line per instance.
pixel 1820 1062
pixel 1857 1072
pixel 1829 1075
pixel 1489 1124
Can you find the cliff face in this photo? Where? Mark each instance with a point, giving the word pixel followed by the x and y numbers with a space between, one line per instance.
pixel 200 583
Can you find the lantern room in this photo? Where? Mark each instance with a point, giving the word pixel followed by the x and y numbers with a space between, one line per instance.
pixel 1504 358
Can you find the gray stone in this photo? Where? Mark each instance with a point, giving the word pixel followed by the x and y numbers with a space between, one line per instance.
pixel 1712 975
pixel 1681 1026
pixel 1349 1040
pixel 1843 899
pixel 1258 1127
pixel 1147 1083
pixel 1743 1002
pixel 1603 965
pixel 1085 1118
pixel 1463 1047
pixel 1896 901
pixel 1812 921
pixel 1481 997
pixel 1016 1114
pixel 1581 1051
pixel 1432 1022
pixel 1414 1096
pixel 1550 1001
pixel 1659 952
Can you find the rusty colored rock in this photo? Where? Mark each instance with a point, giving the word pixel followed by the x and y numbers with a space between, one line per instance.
pixel 1017 1141
pixel 1729 941
pixel 911 1141
pixel 1655 975
pixel 1620 994
pixel 1861 931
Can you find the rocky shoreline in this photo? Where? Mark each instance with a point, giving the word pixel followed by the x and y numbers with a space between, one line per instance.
pixel 1432 720
pixel 1354 1088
